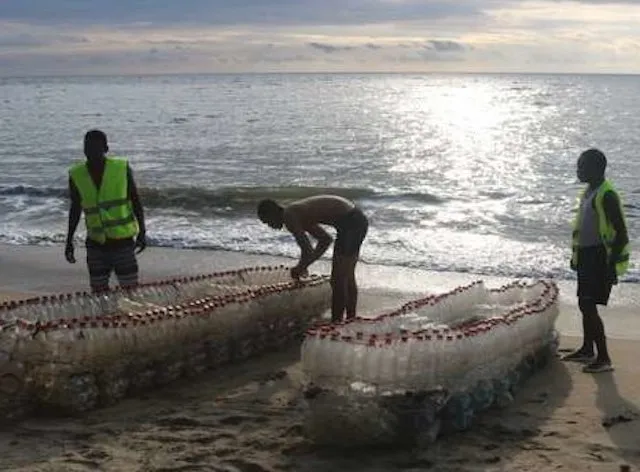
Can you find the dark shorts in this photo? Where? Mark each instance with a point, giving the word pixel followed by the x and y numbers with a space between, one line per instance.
pixel 120 258
pixel 351 231
pixel 594 282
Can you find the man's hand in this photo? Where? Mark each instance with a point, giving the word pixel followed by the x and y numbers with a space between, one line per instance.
pixel 297 272
pixel 141 242
pixel 68 253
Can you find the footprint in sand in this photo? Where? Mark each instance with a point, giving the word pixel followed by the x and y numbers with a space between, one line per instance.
pixel 614 420
pixel 293 431
pixel 225 452
pixel 97 455
pixel 196 457
pixel 92 458
pixel 243 465
pixel 415 463
pixel 297 449
pixel 235 420
pixel 178 421
pixel 273 377
pixel 84 462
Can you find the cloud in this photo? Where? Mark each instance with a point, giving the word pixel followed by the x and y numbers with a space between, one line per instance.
pixel 26 40
pixel 445 46
pixel 225 12
pixel 329 48
pixel 155 36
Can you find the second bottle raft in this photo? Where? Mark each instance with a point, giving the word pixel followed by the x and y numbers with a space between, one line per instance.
pixel 431 364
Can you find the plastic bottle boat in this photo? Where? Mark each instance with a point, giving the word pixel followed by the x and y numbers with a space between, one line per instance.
pixel 70 353
pixel 431 364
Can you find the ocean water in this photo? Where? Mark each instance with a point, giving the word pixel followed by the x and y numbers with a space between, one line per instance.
pixel 464 173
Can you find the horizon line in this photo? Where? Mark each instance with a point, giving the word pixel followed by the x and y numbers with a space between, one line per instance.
pixel 170 74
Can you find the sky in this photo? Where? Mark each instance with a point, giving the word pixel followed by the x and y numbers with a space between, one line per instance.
pixel 52 37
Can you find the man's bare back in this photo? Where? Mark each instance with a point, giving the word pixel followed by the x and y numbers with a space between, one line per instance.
pixel 321 209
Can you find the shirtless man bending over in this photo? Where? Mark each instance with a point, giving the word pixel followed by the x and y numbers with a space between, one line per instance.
pixel 305 216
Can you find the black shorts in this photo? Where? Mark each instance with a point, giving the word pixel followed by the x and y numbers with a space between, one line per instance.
pixel 119 257
pixel 594 282
pixel 352 229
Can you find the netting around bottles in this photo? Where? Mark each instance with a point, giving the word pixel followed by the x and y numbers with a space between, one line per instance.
pixel 433 362
pixel 74 352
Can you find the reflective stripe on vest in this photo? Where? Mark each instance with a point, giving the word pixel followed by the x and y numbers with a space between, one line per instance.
pixel 108 212
pixel 605 228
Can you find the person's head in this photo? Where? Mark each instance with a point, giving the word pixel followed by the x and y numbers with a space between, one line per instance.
pixel 271 213
pixel 95 144
pixel 591 166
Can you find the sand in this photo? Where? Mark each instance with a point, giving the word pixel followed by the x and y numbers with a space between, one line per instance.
pixel 250 417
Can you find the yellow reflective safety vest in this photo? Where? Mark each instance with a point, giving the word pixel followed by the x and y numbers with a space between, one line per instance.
pixel 605 228
pixel 108 212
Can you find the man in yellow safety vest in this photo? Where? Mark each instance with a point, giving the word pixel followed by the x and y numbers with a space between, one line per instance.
pixel 104 190
pixel 600 254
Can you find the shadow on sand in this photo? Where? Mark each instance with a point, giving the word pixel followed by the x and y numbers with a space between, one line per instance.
pixel 250 417
pixel 495 435
pixel 224 420
pixel 617 414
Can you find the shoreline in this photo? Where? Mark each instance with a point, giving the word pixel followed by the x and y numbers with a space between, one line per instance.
pixel 37 270
pixel 325 260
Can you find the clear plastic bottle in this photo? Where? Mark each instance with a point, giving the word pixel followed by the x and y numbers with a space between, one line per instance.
pixel 22 310
pixel 328 359
pixel 387 366
pixel 357 369
pixel 402 354
pixel 308 353
pixel 456 360
pixel 429 352
pixel 345 359
pixel 92 346
pixel 416 366
pixel 474 372
pixel 372 372
pixel 9 336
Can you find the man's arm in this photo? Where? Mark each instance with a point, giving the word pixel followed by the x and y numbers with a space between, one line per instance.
pixel 75 211
pixel 135 201
pixel 309 254
pixel 324 241
pixel 612 211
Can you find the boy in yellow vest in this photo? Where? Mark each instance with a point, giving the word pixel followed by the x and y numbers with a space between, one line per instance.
pixel 600 255
pixel 104 190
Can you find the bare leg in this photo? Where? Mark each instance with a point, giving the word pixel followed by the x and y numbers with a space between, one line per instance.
pixel 345 256
pixel 586 352
pixel 100 267
pixel 339 289
pixel 352 288
pixel 596 327
pixel 587 307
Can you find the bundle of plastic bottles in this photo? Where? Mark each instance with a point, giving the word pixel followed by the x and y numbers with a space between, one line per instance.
pixel 74 352
pixel 441 357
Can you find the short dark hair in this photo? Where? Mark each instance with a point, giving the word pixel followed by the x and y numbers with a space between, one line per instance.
pixel 96 135
pixel 267 207
pixel 596 158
